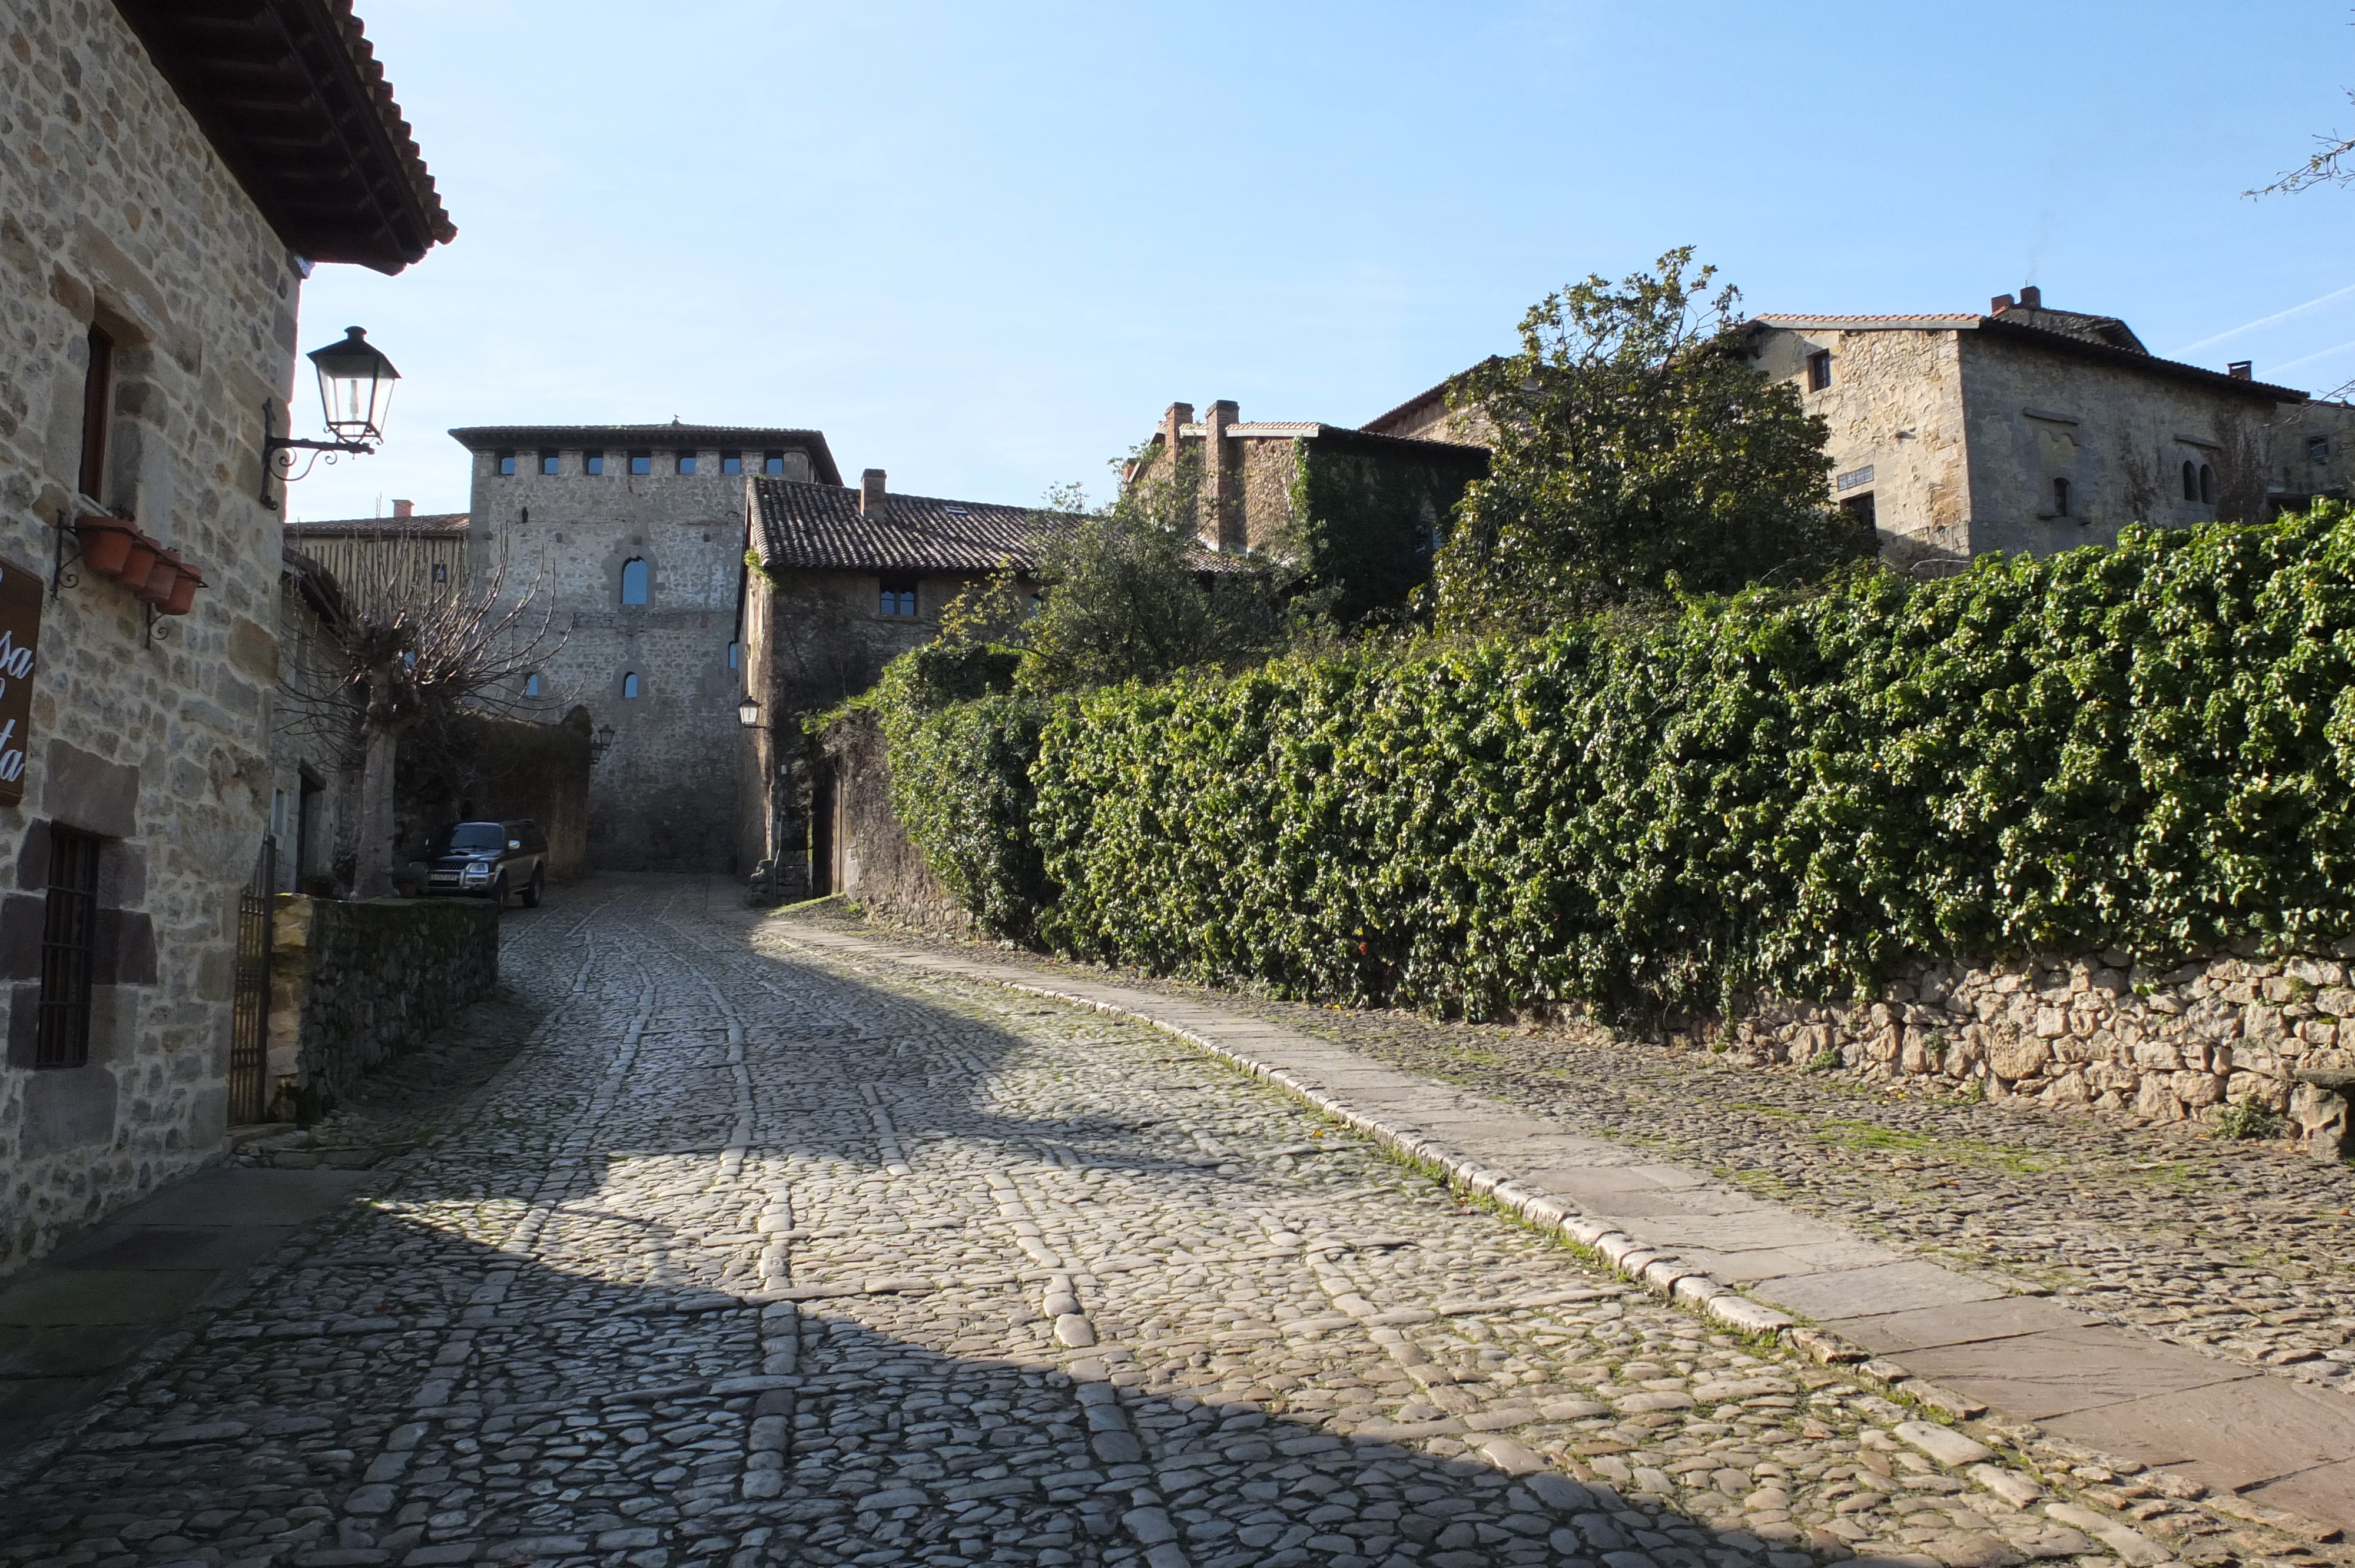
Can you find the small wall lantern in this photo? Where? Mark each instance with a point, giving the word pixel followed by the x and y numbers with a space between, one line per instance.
pixel 355 395
pixel 748 712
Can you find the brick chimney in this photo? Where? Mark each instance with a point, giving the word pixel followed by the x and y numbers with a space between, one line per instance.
pixel 871 490
pixel 1176 415
pixel 2241 370
pixel 1222 478
pixel 2000 304
pixel 2031 298
pixel 404 509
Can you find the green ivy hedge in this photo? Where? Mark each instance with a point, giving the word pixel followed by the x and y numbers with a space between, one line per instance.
pixel 2148 747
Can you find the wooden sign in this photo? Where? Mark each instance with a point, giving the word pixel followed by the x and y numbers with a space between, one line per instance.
pixel 20 640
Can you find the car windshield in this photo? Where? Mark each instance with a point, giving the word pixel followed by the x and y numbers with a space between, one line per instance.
pixel 463 836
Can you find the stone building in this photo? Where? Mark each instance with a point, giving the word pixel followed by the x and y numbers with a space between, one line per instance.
pixel 841 581
pixel 1362 511
pixel 407 552
pixel 635 537
pixel 316 754
pixel 168 176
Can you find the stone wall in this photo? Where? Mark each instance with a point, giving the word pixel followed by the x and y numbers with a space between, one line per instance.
pixel 2092 1032
pixel 115 211
pixel 876 865
pixel 355 983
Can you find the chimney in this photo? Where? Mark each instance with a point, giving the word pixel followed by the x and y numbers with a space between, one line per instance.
pixel 2031 298
pixel 2241 370
pixel 2000 304
pixel 1224 478
pixel 871 490
pixel 1174 416
pixel 404 509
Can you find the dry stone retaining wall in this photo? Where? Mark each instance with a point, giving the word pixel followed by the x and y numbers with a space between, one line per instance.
pixel 2092 1031
pixel 355 983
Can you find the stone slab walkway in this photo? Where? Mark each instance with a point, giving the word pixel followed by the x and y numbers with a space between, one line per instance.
pixel 2226 1425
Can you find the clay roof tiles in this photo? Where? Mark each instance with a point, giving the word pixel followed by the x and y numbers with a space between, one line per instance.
pixel 425 525
pixel 820 527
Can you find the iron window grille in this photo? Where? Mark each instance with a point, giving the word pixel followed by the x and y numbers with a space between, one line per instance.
pixel 68 950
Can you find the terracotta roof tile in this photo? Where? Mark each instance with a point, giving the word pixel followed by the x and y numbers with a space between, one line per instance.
pixel 820 527
pixel 423 524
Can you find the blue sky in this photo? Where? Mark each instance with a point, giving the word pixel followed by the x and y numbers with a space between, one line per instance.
pixel 981 246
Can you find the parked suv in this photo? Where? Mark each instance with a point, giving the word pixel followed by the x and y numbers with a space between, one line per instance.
pixel 488 860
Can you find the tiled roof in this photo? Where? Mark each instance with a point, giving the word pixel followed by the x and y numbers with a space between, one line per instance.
pixel 426 523
pixel 1317 430
pixel 573 438
pixel 2077 333
pixel 290 95
pixel 1874 323
pixel 820 527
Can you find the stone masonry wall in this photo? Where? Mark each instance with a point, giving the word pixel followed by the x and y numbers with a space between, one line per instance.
pixel 881 869
pixel 355 983
pixel 2092 1032
pixel 114 210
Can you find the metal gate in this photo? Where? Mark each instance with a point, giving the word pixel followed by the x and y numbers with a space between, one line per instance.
pixel 248 1050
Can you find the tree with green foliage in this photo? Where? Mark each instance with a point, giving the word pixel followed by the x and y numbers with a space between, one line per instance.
pixel 1637 451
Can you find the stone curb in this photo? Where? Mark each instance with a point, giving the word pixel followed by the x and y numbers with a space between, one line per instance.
pixel 1656 1269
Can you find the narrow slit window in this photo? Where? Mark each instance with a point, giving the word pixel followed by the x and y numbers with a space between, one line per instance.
pixel 2207 484
pixel 2190 482
pixel 97 412
pixel 68 950
pixel 633 581
pixel 630 685
pixel 2059 498
pixel 735 654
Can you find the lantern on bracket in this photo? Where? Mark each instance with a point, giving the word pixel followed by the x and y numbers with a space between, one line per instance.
pixel 356 383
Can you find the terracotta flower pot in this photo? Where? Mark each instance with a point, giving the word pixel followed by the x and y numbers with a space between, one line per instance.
pixel 161 578
pixel 137 562
pixel 184 592
pixel 106 544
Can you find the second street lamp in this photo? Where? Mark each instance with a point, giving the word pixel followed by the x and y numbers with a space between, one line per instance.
pixel 355 395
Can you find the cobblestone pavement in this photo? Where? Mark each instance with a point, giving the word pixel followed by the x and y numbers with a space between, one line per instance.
pixel 2243 1249
pixel 746 1260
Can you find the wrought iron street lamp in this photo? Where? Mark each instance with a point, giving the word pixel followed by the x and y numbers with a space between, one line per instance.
pixel 600 743
pixel 355 395
pixel 748 712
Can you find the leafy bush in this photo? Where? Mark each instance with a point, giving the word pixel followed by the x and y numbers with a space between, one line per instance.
pixel 2250 1120
pixel 2146 747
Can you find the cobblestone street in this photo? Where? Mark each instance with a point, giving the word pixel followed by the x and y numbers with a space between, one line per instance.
pixel 747 1260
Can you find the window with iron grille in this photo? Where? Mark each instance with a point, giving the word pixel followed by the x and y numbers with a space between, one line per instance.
pixel 68 948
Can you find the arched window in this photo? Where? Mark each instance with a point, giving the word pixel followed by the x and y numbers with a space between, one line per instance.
pixel 531 685
pixel 735 650
pixel 633 581
pixel 2207 483
pixel 2061 498
pixel 630 685
pixel 2190 482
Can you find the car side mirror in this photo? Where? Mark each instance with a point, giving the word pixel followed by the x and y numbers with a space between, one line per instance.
pixel 515 844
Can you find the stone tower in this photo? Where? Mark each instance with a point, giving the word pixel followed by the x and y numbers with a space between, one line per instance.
pixel 635 536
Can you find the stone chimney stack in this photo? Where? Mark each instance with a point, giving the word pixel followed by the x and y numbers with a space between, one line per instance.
pixel 2000 304
pixel 2031 298
pixel 1177 416
pixel 1222 478
pixel 870 492
pixel 404 509
pixel 2241 370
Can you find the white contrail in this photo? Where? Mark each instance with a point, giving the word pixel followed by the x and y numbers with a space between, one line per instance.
pixel 2322 354
pixel 2267 320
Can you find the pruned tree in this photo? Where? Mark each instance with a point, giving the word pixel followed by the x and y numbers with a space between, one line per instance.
pixel 401 650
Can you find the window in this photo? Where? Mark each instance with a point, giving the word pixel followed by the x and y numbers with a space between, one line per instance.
pixel 735 652
pixel 1859 510
pixel 593 463
pixel 687 462
pixel 2059 498
pixel 2317 448
pixel 773 462
pixel 633 581
pixel 531 685
pixel 97 411
pixel 2207 484
pixel 2190 482
pixel 68 948
pixel 732 462
pixel 549 463
pixel 1819 370
pixel 642 462
pixel 507 465
pixel 440 571
pixel 898 596
pixel 630 685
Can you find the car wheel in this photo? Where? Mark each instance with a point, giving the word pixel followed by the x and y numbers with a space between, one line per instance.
pixel 499 892
pixel 532 890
